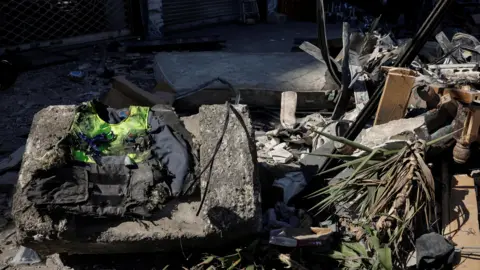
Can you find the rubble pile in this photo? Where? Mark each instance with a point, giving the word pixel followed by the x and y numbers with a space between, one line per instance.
pixel 382 176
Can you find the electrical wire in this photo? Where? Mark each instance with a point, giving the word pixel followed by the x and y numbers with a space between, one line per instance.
pixel 212 159
pixel 322 42
pixel 209 165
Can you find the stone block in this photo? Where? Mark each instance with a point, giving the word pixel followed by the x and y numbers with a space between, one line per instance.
pixel 379 134
pixel 172 229
pixel 232 202
pixel 259 77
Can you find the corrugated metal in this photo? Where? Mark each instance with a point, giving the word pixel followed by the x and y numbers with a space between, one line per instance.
pixel 184 14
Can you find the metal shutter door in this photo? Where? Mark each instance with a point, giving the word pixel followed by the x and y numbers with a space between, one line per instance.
pixel 184 14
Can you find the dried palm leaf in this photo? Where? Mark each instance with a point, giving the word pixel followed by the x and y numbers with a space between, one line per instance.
pixel 390 191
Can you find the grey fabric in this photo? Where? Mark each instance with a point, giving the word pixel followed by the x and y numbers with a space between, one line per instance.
pixel 171 151
pixel 138 185
pixel 434 252
pixel 60 186
pixel 92 190
pixel 170 118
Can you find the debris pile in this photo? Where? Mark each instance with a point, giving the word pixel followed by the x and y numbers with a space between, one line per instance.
pixel 392 169
pixel 381 176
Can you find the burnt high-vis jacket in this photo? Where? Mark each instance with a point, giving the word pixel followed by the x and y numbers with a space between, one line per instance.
pixel 126 162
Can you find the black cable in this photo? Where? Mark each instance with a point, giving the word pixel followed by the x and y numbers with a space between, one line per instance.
pixel 207 184
pixel 210 82
pixel 209 165
pixel 210 162
pixel 345 92
pixel 322 41
pixel 217 147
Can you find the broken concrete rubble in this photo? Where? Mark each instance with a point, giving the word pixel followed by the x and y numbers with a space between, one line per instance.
pixel 175 226
pixel 234 168
pixel 379 134
pixel 280 155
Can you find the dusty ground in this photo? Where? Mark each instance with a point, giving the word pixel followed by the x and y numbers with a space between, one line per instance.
pixel 38 89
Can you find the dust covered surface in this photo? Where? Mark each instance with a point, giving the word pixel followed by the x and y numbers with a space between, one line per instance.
pixel 233 199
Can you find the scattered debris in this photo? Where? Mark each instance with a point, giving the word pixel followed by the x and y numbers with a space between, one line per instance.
pixel 25 256
pixel 361 138
pixel 283 216
pixel 292 184
pixel 301 237
pixel 280 155
pixel 76 76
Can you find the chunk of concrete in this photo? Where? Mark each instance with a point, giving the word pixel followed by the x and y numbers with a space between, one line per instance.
pixel 192 124
pixel 176 226
pixel 260 77
pixel 379 134
pixel 233 199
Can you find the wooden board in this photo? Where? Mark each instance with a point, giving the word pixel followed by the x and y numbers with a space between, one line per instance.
pixel 288 109
pixel 395 96
pixel 125 93
pixel 463 228
pixel 464 95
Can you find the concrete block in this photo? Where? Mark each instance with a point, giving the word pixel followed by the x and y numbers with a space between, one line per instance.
pixel 379 134
pixel 173 228
pixel 233 199
pixel 260 77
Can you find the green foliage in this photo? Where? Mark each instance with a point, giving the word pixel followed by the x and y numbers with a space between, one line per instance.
pixel 370 255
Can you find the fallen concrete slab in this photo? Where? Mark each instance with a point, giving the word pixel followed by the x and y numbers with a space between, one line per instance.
pixel 175 227
pixel 260 77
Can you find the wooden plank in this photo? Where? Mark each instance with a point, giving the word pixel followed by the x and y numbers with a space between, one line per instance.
pixel 118 100
pixel 395 96
pixel 164 91
pixel 466 94
pixel 463 228
pixel 288 109
pixel 125 93
pixel 387 68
